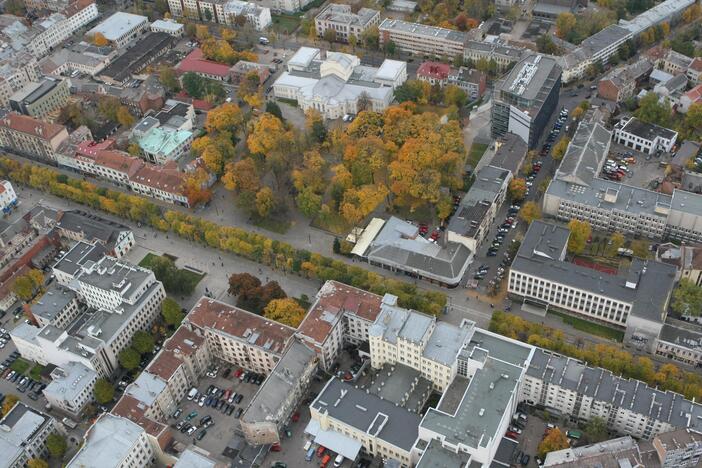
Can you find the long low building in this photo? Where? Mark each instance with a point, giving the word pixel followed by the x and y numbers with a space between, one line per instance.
pixel 636 300
pixel 338 84
pixel 422 39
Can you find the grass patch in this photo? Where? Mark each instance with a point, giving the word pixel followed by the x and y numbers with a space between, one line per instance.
pixel 423 214
pixel 477 150
pixel 148 260
pixel 286 24
pixel 280 226
pixel 438 110
pixel 20 365
pixel 36 371
pixel 590 327
pixel 336 224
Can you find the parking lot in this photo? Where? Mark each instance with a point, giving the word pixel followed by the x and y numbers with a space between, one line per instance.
pixel 642 170
pixel 225 419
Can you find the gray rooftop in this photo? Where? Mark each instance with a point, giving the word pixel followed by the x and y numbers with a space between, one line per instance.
pixel 399 244
pixel 111 274
pixel 109 440
pixel 423 30
pixel 35 91
pixel 274 391
pixel 193 458
pixel 80 254
pixel 146 388
pixel 687 337
pixel 474 205
pixel 498 347
pixel 435 456
pixel 368 413
pixel 69 381
pixel 53 301
pixel 395 323
pixel 686 202
pixel 648 131
pixel 445 343
pixel 653 280
pixel 18 428
pixel 604 38
pixel 340 13
pixel 531 79
pixel 117 24
pixel 476 421
pixel 586 152
pixel 509 153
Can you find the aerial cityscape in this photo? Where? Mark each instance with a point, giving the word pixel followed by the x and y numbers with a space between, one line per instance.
pixel 399 233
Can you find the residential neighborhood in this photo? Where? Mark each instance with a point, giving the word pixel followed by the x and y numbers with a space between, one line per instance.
pixel 295 233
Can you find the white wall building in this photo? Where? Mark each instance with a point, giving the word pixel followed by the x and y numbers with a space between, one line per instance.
pixel 338 84
pixel 340 19
pixel 644 137
pixel 58 27
pixel 23 435
pixel 8 197
pixel 71 388
pixel 121 28
pixel 171 27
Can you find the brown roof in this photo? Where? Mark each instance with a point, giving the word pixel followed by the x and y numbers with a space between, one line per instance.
pixel 164 364
pixel 118 161
pixel 130 408
pixel 76 6
pixel 184 341
pixel 333 300
pixel 256 330
pixel 31 126
pixel 696 64
pixel 696 262
pixel 161 178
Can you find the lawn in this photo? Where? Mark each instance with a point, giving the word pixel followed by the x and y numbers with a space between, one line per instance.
pixel 476 153
pixel 20 366
pixel 147 260
pixel 590 327
pixel 280 226
pixel 336 224
pixel 286 24
pixel 183 275
pixel 36 371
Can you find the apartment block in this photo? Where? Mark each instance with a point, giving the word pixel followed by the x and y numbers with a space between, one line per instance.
pixel 526 98
pixel 636 300
pixel 223 11
pixel 344 22
pixel 420 39
pixel 31 137
pixel 18 69
pixel 275 401
pixel 644 137
pixel 71 388
pixel 23 435
pixel 339 314
pixel 57 306
pixel 679 449
pixel 169 26
pixel 113 441
pixel 237 336
pixel 41 98
pixel 8 197
pixel 52 30
pixel 620 83
pixel 680 341
pixel 501 54
pixel 121 28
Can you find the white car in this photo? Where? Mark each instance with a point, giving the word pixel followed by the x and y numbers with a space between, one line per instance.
pixel 202 401
pixel 191 430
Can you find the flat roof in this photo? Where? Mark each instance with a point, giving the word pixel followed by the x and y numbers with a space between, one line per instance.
pixel 417 29
pixel 117 25
pixel 168 25
pixel 368 413
pixel 648 131
pixel 69 381
pixel 146 388
pixel 435 456
pixel 586 151
pixel 109 440
pixel 510 152
pixel 531 77
pixel 136 57
pixel 53 301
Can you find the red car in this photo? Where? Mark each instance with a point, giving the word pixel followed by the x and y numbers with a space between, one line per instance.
pixel 423 228
pixel 511 435
pixel 238 372
pixel 276 448
pixel 296 417
pixel 435 235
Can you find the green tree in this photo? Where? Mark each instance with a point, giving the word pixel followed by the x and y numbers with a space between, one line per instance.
pixel 687 298
pixel 616 241
pixel 143 342
pixel 560 149
pixel 129 358
pixel 15 7
pixel 596 430
pixel 104 391
pixel 565 22
pixel 580 232
pixel 652 111
pixel 273 108
pixel 330 35
pixel 640 248
pixel 37 463
pixel 410 90
pixel 170 310
pixel 23 288
pixel 390 48
pixel 517 188
pixel 168 78
pixel 56 444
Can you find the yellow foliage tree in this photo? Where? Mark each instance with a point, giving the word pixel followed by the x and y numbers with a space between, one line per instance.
pixel 268 135
pixel 265 202
pixel 530 211
pixel 241 176
pixel 565 22
pixel 517 188
pixel 227 116
pixel 554 440
pixel 9 403
pixel 360 202
pixel 580 232
pixel 560 149
pixel 286 311
pixel 100 40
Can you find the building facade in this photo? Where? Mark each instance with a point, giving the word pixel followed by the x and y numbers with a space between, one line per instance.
pixel 121 28
pixel 42 98
pixel 420 39
pixel 8 197
pixel 31 137
pixel 340 19
pixel 644 137
pixel 71 388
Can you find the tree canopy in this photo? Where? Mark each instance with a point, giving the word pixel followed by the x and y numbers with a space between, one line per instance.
pixel 554 440
pixel 286 311
pixel 129 358
pixel 170 310
pixel 104 391
pixel 687 298
pixel 143 342
pixel 56 444
pixel 8 403
pixel 580 232
pixel 529 212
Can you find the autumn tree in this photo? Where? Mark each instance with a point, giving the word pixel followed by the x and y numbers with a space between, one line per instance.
pixel 242 176
pixel 124 117
pixel 360 202
pixel 580 232
pixel 529 212
pixel 265 202
pixel 256 299
pixel 286 311
pixel 616 241
pixel 454 96
pixel 641 248
pixel 517 189
pixel 565 22
pixel 168 78
pixel 171 313
pixel 560 149
pixel 103 391
pixel 554 440
pixel 241 283
pixel 596 430
pixel 8 403
pixel 250 89
pixel 226 117
pixel 268 135
pixel 37 463
pixel 687 298
pixel 99 39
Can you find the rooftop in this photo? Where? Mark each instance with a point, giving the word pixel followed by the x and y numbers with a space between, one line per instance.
pixel 52 302
pixel 193 457
pixel 510 151
pixel 82 252
pixel 396 323
pixel 163 141
pixel 19 427
pixel 118 24
pixel 586 152
pixel 333 300
pixel 168 25
pixel 70 381
pixel 531 79
pixel 435 456
pixel 339 13
pixel 275 390
pixel 196 62
pixel 368 413
pixel 31 126
pixel 648 131
pixel 436 70
pixel 146 388
pixel 424 30
pixel 137 57
pixel 224 318
pixel 108 441
pixel 489 183
pixel 32 92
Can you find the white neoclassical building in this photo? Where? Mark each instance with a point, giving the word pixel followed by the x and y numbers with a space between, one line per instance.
pixel 337 84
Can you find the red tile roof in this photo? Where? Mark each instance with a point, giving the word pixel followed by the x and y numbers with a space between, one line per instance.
pixel 91 148
pixel 184 341
pixel 333 300
pixel 252 328
pixel 435 70
pixel 31 126
pixel 119 161
pixel 130 408
pixel 197 63
pixel 696 64
pixel 164 365
pixel 695 94
pixel 161 178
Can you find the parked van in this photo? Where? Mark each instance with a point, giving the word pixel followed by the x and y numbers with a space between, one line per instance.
pixel 192 393
pixel 310 454
pixel 325 461
pixel 307 446
pixel 339 460
pixel 69 423
pixel 263 41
